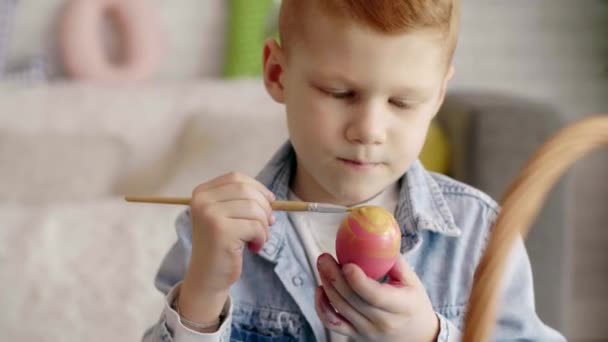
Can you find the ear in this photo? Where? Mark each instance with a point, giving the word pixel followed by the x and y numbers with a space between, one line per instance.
pixel 449 75
pixel 274 67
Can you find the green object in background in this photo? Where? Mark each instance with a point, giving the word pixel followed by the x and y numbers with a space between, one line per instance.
pixel 248 28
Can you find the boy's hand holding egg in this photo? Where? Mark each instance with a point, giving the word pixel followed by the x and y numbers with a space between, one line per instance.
pixel 352 302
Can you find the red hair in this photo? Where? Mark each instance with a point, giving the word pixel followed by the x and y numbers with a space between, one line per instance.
pixel 384 16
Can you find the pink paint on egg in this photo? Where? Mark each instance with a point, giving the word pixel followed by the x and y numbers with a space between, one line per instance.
pixel 370 238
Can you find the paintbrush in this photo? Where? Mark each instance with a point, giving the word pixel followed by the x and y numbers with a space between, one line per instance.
pixel 275 205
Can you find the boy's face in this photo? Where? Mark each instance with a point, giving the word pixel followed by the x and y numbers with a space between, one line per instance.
pixel 358 105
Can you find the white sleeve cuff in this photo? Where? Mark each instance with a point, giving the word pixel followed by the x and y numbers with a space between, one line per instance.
pixel 181 333
pixel 448 331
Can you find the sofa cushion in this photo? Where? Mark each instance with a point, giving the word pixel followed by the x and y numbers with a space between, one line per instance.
pixel 212 144
pixel 57 167
pixel 82 271
pixel 72 122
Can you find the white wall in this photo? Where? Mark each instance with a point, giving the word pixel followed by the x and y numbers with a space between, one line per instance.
pixel 550 49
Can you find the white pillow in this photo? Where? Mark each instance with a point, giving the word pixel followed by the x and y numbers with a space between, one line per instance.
pixel 145 119
pixel 57 167
pixel 212 144
pixel 148 119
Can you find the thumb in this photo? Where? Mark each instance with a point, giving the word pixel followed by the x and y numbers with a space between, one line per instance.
pixel 402 274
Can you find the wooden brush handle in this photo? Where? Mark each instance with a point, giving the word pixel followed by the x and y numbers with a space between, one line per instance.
pixel 519 209
pixel 276 205
pixel 159 200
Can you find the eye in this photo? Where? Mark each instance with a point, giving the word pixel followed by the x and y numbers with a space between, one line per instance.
pixel 338 94
pixel 342 95
pixel 401 104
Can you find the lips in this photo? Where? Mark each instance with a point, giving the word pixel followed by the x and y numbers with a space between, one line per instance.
pixel 358 163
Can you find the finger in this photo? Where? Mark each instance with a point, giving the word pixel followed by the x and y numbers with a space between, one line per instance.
pixel 247 213
pixel 235 177
pixel 330 318
pixel 247 209
pixel 231 192
pixel 251 233
pixel 402 274
pixel 342 297
pixel 386 298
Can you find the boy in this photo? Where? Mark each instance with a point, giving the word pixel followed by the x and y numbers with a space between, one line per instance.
pixel 361 81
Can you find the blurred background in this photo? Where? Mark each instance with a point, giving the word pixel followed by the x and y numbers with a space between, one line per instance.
pixel 154 97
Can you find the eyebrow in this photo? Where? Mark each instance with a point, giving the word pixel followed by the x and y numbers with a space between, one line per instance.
pixel 417 93
pixel 332 76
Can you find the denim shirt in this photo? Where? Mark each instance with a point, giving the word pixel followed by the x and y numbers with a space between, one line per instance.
pixel 445 226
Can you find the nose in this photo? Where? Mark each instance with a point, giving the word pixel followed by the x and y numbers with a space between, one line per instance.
pixel 367 125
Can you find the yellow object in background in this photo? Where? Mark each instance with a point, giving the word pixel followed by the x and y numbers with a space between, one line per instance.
pixel 435 155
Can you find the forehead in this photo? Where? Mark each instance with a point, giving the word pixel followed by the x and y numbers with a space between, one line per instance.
pixel 329 46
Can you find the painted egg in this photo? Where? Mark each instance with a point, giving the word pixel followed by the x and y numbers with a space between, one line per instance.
pixel 370 238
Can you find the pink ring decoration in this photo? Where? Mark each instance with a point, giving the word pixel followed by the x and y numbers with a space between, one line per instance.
pixel 81 42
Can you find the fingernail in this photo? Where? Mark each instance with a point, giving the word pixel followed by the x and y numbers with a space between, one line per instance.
pixel 321 263
pixel 273 220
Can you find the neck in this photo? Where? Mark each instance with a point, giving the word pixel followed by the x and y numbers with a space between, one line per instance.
pixel 307 189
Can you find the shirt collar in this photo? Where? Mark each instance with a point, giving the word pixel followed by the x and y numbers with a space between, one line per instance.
pixel 422 206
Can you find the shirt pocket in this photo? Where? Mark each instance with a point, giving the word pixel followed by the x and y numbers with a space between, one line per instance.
pixel 255 324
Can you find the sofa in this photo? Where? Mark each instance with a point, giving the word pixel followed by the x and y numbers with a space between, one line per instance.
pixel 78 262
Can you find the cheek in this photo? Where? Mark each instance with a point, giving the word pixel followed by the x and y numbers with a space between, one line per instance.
pixel 316 117
pixel 410 139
